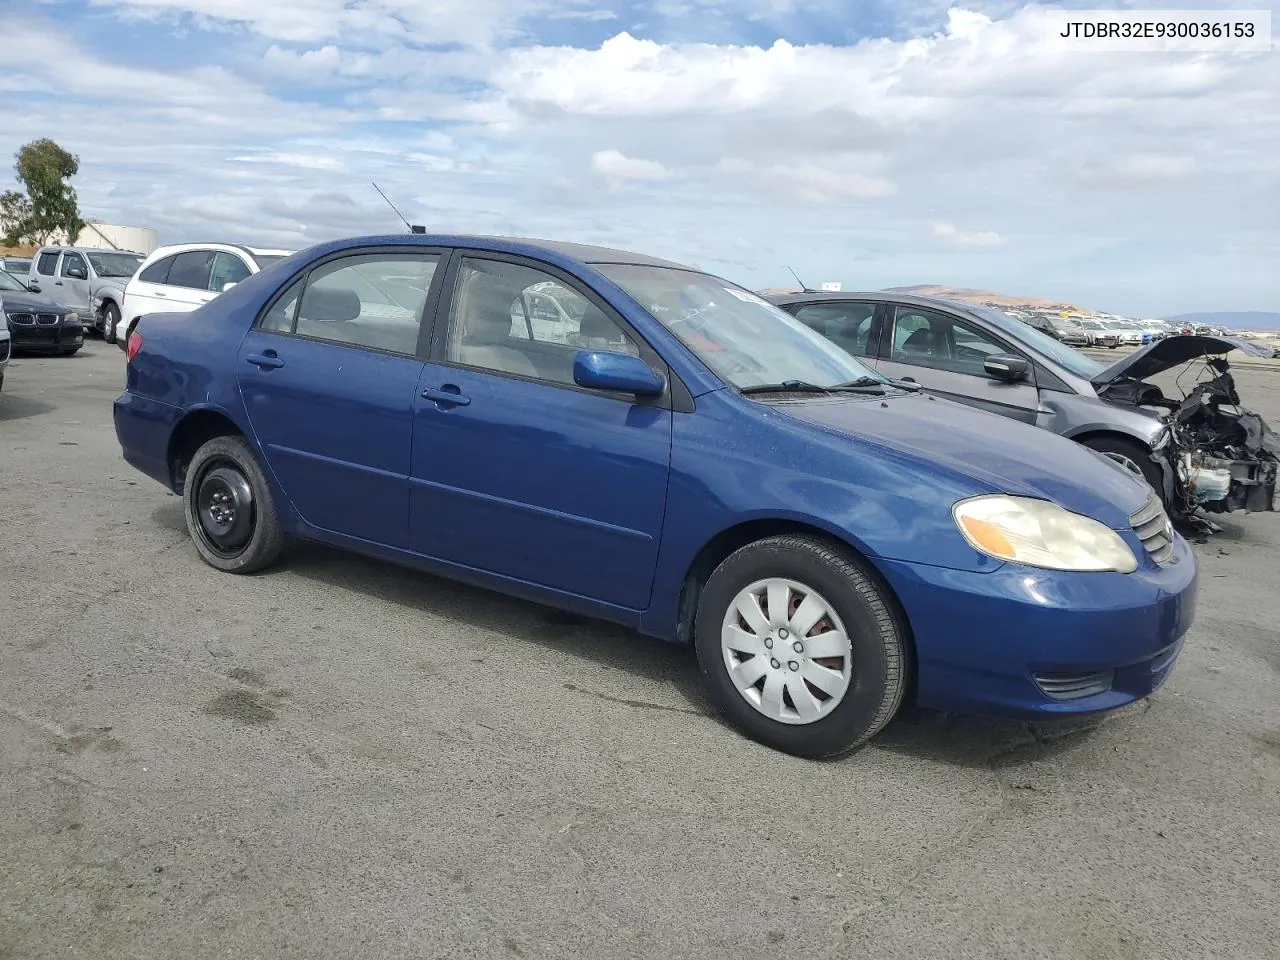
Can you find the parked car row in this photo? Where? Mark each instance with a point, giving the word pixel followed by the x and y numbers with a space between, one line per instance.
pixel 644 442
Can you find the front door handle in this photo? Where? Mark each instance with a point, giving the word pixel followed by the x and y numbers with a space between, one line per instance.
pixel 265 361
pixel 157 293
pixel 453 396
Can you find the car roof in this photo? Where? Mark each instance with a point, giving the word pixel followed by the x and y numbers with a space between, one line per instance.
pixel 63 248
pixel 878 296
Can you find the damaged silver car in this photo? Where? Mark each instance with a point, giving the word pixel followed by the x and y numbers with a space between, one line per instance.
pixel 1214 454
pixel 1203 453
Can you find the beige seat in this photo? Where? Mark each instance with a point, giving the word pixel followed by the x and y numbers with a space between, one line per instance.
pixel 486 339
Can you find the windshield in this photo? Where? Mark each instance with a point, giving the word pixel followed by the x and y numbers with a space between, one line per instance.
pixel 266 259
pixel 743 339
pixel 115 264
pixel 1067 357
pixel 11 283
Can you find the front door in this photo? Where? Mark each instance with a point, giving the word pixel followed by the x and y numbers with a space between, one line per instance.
pixel 328 375
pixel 516 470
pixel 71 288
pixel 945 355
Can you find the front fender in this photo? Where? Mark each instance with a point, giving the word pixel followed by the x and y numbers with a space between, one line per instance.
pixel 1074 417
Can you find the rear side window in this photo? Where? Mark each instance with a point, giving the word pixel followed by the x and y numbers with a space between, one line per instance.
pixel 47 263
pixel 846 323
pixel 158 272
pixel 192 269
pixel 279 318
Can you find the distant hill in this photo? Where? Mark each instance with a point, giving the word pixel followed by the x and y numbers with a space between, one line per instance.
pixel 1233 319
pixel 985 296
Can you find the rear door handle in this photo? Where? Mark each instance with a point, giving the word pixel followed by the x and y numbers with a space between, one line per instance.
pixel 265 361
pixel 444 395
pixel 157 293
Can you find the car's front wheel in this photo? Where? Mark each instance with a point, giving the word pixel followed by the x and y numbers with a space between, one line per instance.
pixel 110 317
pixel 230 512
pixel 800 647
pixel 1132 455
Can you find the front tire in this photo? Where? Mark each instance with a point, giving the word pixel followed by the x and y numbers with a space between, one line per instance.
pixel 800 647
pixel 1132 455
pixel 110 317
pixel 230 512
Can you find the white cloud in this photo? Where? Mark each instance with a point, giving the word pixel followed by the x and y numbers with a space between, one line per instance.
pixel 966 238
pixel 1119 170
pixel 617 166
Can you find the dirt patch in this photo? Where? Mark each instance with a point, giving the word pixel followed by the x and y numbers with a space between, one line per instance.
pixel 240 706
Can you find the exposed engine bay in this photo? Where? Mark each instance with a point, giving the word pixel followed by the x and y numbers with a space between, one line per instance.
pixel 1217 456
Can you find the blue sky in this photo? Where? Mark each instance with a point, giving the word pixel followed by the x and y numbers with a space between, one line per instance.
pixel 877 144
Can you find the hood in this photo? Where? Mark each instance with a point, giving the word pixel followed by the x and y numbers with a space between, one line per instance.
pixel 996 454
pixel 30 302
pixel 1165 354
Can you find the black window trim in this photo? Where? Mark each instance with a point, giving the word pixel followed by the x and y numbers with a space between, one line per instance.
pixel 675 395
pixel 302 276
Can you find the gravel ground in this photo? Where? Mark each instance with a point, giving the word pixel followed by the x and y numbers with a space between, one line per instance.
pixel 345 759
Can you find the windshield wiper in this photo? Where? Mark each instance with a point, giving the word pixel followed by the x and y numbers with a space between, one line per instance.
pixel 861 385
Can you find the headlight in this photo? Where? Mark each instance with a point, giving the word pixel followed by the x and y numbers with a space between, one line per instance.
pixel 1041 534
pixel 72 318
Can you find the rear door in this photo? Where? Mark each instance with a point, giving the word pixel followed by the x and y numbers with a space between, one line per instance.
pixel 147 292
pixel 329 374
pixel 44 271
pixel 186 288
pixel 71 286
pixel 945 354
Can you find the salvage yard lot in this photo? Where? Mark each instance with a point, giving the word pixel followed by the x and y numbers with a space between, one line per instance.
pixel 344 758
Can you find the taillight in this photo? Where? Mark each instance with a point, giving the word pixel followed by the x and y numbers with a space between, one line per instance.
pixel 133 346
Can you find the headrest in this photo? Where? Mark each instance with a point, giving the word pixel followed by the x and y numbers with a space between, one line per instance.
pixel 329 305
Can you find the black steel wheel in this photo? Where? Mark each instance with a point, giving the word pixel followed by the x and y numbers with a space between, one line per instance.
pixel 230 513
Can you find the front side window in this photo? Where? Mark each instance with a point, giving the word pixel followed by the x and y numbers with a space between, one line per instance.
pixel 369 300
pixel 1067 357
pixel 846 323
pixel 158 272
pixel 47 263
pixel 227 268
pixel 930 339
pixel 744 340
pixel 191 269
pixel 73 267
pixel 510 318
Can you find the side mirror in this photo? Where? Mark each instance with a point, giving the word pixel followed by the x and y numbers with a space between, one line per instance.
pixel 33 287
pixel 76 273
pixel 621 372
pixel 228 285
pixel 1006 367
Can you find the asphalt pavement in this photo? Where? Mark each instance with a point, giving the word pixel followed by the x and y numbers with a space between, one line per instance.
pixel 341 758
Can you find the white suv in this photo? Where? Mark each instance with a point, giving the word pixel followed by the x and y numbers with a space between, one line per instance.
pixel 184 277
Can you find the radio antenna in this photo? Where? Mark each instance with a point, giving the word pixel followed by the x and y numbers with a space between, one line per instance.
pixel 803 287
pixel 412 228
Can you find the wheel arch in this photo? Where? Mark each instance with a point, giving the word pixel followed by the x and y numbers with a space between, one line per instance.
pixel 194 430
pixel 1084 434
pixel 733 538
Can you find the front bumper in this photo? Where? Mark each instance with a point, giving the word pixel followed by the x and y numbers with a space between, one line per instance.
pixel 1036 643
pixel 46 337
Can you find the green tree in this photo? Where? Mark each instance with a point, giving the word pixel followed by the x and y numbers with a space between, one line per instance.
pixel 49 205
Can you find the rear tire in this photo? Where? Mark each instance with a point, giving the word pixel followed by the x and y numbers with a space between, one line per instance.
pixel 856 651
pixel 230 512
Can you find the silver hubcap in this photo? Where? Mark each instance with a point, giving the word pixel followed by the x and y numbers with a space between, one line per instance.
pixel 786 651
pixel 1129 465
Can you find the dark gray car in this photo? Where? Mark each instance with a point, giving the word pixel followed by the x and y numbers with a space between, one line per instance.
pixel 983 357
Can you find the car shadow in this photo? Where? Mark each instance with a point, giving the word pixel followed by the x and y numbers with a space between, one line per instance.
pixel 16 407
pixel 952 739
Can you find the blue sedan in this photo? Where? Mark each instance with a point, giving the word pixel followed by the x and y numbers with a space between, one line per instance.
pixel 642 442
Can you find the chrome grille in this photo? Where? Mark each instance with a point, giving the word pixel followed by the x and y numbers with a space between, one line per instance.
pixel 47 319
pixel 25 319
pixel 1152 526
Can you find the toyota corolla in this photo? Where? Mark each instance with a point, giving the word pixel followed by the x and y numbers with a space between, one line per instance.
pixel 677 455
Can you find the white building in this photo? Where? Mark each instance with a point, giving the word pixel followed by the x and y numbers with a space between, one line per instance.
pixel 110 236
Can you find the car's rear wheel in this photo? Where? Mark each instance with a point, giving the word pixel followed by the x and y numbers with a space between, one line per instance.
pixel 230 512
pixel 800 647
pixel 1132 455
pixel 110 317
